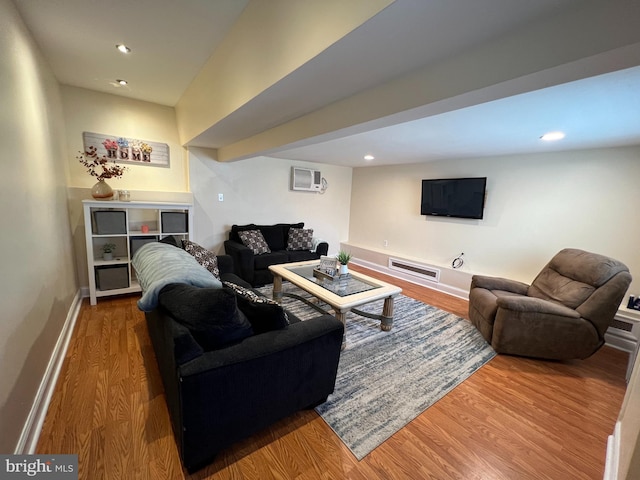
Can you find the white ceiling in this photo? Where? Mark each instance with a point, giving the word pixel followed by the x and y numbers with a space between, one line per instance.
pixel 171 40
pixel 597 112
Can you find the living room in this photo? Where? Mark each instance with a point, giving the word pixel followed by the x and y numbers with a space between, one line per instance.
pixel 537 203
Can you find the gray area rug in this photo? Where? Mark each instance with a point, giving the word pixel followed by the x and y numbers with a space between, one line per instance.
pixel 386 379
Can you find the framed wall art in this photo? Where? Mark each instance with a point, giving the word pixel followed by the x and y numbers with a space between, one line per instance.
pixel 128 150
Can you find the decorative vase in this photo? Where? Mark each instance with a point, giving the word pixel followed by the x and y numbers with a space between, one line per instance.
pixel 344 269
pixel 107 255
pixel 102 191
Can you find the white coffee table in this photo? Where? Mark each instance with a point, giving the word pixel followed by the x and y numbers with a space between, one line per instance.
pixel 342 295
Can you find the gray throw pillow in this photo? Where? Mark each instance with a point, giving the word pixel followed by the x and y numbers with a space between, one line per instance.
pixel 263 313
pixel 300 239
pixel 255 241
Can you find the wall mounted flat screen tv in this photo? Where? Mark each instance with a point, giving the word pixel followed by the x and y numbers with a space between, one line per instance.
pixel 454 197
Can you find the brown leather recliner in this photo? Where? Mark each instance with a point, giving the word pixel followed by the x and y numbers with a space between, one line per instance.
pixel 563 314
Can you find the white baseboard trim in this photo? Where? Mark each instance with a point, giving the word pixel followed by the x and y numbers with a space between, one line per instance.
pixel 612 459
pixel 33 426
pixel 441 287
pixel 613 339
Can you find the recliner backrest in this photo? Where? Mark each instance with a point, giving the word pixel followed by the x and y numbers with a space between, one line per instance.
pixel 580 280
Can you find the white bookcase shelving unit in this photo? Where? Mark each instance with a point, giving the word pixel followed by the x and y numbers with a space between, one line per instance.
pixel 122 224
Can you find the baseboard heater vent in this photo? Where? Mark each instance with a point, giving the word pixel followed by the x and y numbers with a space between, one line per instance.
pixel 416 269
pixel 621 325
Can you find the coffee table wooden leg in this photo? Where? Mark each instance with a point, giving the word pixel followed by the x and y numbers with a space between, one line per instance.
pixel 277 288
pixel 342 316
pixel 386 321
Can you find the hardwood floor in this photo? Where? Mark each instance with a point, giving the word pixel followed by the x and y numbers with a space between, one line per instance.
pixel 515 418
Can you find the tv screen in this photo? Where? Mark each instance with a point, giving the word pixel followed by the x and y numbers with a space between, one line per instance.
pixel 453 197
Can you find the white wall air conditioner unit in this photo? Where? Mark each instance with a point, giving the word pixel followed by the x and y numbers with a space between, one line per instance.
pixel 306 179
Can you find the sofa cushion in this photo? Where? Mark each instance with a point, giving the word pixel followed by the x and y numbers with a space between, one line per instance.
pixel 263 313
pixel 185 347
pixel 255 241
pixel 279 239
pixel 300 239
pixel 204 257
pixel 274 236
pixel 211 314
pixel 262 262
pixel 301 255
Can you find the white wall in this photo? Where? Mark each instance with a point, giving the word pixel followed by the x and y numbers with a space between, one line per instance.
pixel 535 206
pixel 257 191
pixel 38 282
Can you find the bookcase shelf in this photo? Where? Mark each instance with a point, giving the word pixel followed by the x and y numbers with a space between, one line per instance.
pixel 123 222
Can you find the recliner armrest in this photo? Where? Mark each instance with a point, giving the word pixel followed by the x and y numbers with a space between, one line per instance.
pixel 535 305
pixel 499 283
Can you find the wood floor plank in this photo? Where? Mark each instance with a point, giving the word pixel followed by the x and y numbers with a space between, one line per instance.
pixel 515 418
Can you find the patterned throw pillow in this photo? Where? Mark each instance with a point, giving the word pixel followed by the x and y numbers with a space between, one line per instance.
pixel 300 239
pixel 263 313
pixel 204 257
pixel 255 241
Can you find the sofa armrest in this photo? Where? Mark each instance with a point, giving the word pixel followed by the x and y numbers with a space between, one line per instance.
pixel 498 283
pixel 319 246
pixel 242 259
pixel 225 264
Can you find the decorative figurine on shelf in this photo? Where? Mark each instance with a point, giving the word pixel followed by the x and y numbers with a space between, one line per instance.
pixel 102 168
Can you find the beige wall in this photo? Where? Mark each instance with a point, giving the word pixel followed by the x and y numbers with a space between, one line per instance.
pixel 257 191
pixel 535 206
pixel 38 282
pixel 258 52
pixel 89 111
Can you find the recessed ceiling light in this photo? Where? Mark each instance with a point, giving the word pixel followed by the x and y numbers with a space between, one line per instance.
pixel 551 136
pixel 123 48
pixel 122 82
pixel 369 157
